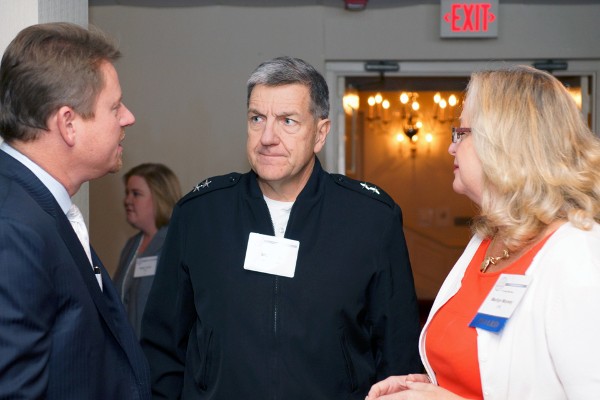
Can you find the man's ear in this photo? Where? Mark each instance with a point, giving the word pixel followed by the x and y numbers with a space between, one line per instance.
pixel 65 120
pixel 323 127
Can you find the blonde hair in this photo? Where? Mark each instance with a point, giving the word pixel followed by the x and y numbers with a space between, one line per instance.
pixel 540 161
pixel 164 187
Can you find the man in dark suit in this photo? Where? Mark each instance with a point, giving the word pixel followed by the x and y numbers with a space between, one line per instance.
pixel 63 331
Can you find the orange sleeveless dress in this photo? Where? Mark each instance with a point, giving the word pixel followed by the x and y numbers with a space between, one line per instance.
pixel 450 344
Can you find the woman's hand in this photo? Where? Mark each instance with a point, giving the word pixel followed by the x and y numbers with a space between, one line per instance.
pixel 395 384
pixel 409 387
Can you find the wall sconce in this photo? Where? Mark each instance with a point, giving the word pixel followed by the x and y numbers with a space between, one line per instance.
pixel 351 100
pixel 375 106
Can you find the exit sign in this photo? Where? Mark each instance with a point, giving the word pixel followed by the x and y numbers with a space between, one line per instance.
pixel 468 19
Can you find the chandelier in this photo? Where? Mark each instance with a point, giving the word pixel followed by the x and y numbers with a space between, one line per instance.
pixel 408 116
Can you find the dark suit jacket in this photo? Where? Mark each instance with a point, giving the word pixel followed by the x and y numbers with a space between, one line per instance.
pixel 61 337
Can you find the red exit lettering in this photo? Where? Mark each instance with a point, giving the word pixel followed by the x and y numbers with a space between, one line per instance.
pixel 469 17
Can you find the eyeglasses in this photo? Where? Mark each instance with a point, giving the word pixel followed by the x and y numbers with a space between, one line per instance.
pixel 458 133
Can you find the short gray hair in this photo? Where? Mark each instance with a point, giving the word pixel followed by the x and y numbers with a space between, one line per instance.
pixel 286 71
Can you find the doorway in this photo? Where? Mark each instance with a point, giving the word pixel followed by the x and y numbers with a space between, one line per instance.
pixel 397 133
pixel 377 136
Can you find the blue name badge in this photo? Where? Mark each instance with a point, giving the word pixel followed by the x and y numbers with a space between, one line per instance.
pixel 501 302
pixel 488 322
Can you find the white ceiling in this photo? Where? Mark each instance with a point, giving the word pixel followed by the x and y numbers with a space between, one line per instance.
pixel 288 3
pixel 250 3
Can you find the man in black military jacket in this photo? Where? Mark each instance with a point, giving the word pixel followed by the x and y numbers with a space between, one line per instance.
pixel 286 282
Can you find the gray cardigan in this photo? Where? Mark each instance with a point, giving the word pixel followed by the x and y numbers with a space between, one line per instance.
pixel 134 291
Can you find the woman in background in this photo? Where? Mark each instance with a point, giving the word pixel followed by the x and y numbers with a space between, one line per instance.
pixel 151 191
pixel 526 157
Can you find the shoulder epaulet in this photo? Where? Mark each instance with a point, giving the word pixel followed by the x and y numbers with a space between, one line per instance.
pixel 366 188
pixel 211 184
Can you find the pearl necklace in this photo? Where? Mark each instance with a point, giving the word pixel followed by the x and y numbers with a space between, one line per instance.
pixel 493 260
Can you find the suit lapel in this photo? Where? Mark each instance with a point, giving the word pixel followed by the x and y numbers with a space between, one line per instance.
pixel 87 273
pixel 124 334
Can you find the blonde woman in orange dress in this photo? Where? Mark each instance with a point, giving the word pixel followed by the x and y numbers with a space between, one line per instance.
pixel 519 315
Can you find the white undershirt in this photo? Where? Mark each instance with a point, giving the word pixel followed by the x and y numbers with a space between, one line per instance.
pixel 280 214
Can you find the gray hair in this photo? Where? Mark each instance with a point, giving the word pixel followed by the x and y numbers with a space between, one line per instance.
pixel 286 71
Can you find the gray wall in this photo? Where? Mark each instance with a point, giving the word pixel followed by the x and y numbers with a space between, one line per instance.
pixel 184 70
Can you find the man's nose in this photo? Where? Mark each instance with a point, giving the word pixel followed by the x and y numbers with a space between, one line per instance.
pixel 270 135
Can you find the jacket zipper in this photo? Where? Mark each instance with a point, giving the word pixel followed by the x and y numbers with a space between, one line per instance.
pixel 275 313
pixel 276 305
pixel 276 292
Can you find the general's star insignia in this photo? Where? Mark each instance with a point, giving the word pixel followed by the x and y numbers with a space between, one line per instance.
pixel 202 185
pixel 371 188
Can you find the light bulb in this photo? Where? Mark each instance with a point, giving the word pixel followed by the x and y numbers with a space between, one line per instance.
pixel 351 102
pixel 452 100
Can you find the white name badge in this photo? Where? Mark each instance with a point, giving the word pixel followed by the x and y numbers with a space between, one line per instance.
pixel 145 266
pixel 271 255
pixel 501 302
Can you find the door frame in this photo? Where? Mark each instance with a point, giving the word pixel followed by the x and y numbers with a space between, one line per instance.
pixel 336 72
